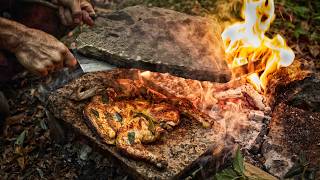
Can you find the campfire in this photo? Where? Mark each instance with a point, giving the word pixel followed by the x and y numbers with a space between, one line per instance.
pixel 202 92
pixel 237 112
pixel 248 49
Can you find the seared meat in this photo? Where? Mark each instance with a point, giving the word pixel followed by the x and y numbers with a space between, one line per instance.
pixel 130 115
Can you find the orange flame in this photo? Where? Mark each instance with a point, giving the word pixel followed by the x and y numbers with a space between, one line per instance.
pixel 246 44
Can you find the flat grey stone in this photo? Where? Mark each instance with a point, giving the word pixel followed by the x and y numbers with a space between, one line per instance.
pixel 159 40
pixel 188 148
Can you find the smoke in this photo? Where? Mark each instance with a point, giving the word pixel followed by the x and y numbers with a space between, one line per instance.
pixel 236 106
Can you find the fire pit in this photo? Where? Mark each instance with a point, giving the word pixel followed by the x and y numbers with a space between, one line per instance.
pixel 241 108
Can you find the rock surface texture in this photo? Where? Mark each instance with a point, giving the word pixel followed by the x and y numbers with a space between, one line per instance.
pixel 183 148
pixel 158 40
pixel 292 131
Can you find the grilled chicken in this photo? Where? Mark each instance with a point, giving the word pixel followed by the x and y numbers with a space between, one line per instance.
pixel 131 115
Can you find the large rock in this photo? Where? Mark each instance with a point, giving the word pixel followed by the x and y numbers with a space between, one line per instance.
pixel 186 148
pixel 303 94
pixel 158 40
pixel 292 131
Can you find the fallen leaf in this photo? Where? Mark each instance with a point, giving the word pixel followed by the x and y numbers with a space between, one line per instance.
pixel 314 50
pixel 305 25
pixel 227 174
pixel 43 124
pixel 40 172
pixel 21 162
pixel 21 138
pixel 15 119
pixel 19 150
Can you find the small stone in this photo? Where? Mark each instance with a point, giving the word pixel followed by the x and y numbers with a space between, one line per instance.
pixel 84 152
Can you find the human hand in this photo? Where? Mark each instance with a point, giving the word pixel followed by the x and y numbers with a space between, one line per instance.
pixel 73 12
pixel 42 53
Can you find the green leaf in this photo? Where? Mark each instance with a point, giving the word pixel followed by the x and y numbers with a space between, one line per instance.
pixel 43 125
pixel 149 118
pixel 194 173
pixel 238 163
pixel 105 99
pixel 301 11
pixel 302 158
pixel 21 138
pixel 131 137
pixel 316 18
pixel 227 174
pixel 117 116
pixel 151 126
pixel 294 171
pixel 299 31
pixel 290 25
pixel 315 36
pixel 95 113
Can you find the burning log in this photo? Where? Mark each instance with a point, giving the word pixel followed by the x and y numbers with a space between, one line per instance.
pixel 232 104
pixel 246 44
pixel 258 116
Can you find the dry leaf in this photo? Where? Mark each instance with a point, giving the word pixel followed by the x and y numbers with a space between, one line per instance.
pixel 314 50
pixel 253 172
pixel 18 150
pixel 15 119
pixel 21 138
pixel 21 162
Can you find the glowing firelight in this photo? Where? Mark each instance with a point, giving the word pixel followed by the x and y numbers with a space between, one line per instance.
pixel 245 43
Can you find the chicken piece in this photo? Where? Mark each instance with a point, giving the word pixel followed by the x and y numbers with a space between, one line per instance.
pixel 188 109
pixel 130 115
pixel 121 121
pixel 136 89
pixel 136 132
pixel 98 119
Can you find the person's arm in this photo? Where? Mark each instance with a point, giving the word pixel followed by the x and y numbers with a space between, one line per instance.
pixel 74 12
pixel 37 51
pixel 10 33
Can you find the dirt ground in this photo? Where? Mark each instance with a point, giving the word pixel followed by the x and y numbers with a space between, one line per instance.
pixel 29 152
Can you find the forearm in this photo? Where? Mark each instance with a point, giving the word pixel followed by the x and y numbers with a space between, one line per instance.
pixel 11 34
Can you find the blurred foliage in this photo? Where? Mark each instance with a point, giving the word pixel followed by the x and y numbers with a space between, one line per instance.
pixel 301 19
pixel 195 7
pixel 298 21
pixel 295 18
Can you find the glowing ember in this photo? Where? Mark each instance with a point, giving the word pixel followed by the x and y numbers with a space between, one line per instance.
pixel 246 44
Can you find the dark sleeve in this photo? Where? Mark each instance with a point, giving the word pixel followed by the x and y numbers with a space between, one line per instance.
pixel 6 5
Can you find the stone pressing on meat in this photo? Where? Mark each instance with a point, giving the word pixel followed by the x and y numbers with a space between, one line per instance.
pixel 292 131
pixel 158 40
